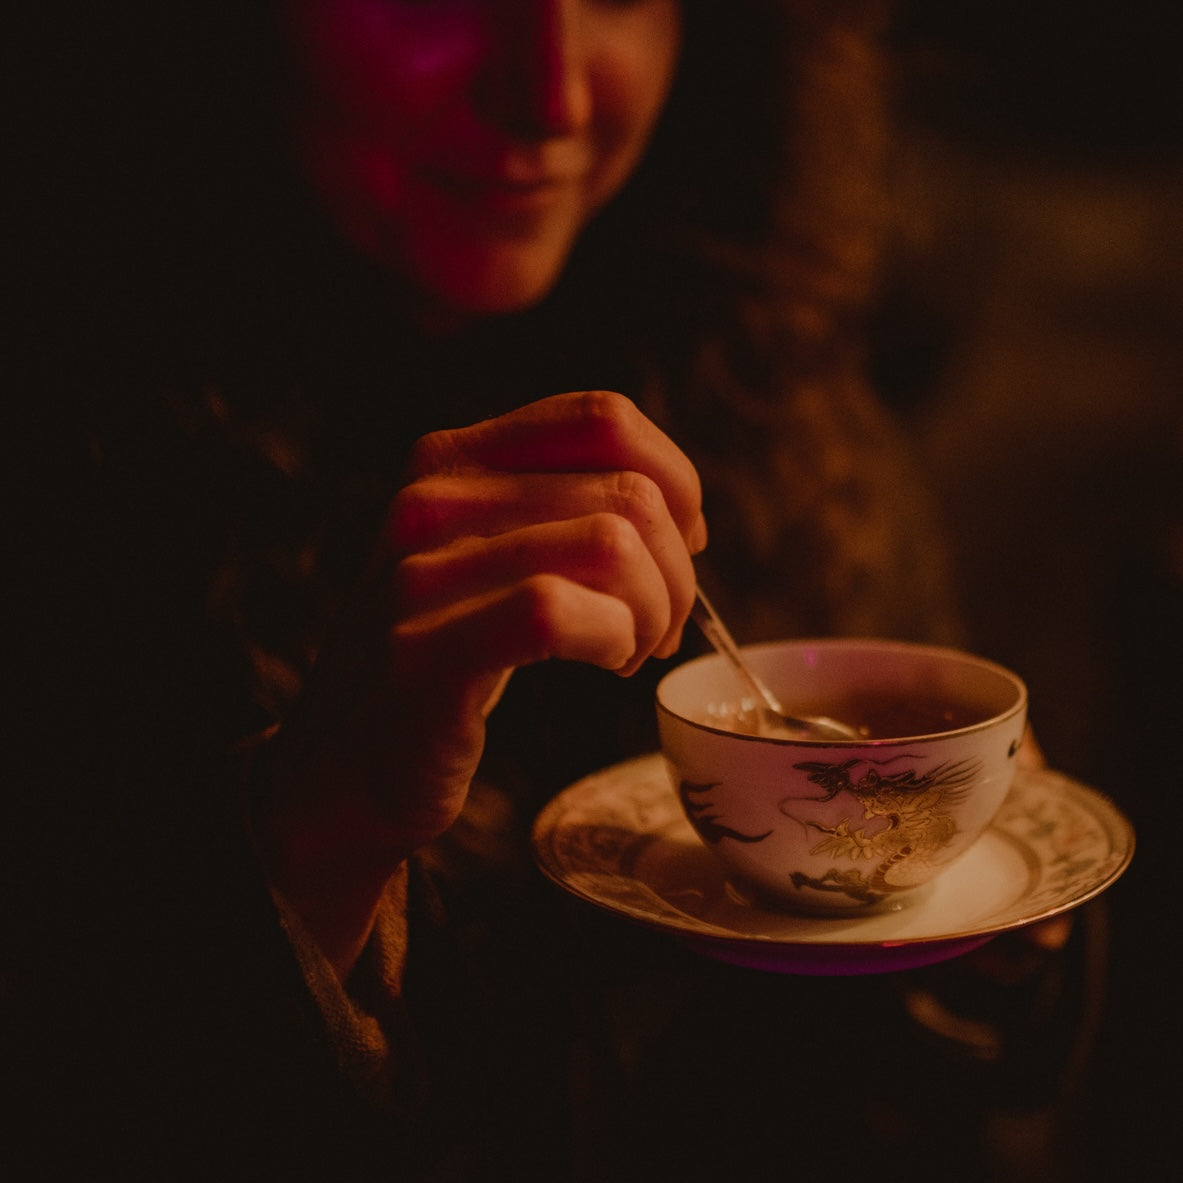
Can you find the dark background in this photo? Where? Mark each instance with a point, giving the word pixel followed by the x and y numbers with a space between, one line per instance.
pixel 1031 333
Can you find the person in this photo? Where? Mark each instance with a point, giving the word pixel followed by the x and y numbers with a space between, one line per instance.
pixel 397 368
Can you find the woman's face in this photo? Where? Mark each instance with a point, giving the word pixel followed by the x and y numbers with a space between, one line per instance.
pixel 464 144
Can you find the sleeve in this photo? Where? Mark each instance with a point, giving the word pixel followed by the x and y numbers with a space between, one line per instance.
pixel 362 1017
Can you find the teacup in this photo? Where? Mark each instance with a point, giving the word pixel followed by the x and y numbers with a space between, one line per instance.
pixel 843 827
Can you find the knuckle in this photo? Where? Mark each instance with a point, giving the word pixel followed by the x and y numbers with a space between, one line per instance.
pixel 434 452
pixel 414 516
pixel 410 578
pixel 636 497
pixel 609 416
pixel 540 601
pixel 612 540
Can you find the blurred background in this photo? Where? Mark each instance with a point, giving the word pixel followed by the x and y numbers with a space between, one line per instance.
pixel 1031 334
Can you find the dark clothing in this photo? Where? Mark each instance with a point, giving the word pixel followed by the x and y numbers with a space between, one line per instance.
pixel 179 559
pixel 158 1024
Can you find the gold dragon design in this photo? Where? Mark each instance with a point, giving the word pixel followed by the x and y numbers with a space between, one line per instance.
pixel 914 825
pixel 904 825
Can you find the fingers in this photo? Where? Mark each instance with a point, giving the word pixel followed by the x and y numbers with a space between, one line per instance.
pixel 435 510
pixel 588 431
pixel 557 507
pixel 615 512
pixel 601 551
pixel 474 641
pixel 562 530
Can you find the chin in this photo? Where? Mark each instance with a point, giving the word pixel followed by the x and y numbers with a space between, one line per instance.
pixel 499 295
pixel 494 280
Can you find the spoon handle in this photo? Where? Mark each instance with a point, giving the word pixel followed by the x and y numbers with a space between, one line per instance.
pixel 717 633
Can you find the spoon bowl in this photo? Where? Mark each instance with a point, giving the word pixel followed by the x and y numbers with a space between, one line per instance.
pixel 771 717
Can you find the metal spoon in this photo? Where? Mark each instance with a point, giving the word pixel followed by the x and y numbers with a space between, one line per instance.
pixel 772 718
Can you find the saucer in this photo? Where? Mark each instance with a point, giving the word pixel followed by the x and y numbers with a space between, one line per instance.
pixel 618 839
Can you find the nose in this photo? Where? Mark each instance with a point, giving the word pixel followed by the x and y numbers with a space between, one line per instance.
pixel 539 83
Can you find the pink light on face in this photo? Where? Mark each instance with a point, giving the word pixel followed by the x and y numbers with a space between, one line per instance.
pixel 464 144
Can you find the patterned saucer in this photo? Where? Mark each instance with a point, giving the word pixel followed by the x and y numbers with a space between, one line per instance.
pixel 619 840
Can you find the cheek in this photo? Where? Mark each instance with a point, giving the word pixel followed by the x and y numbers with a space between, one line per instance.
pixel 631 86
pixel 370 67
pixel 371 86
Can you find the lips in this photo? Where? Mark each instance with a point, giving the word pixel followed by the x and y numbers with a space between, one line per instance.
pixel 502 192
pixel 470 183
pixel 510 176
pixel 512 172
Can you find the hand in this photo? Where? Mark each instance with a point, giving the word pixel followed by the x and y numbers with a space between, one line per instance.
pixel 563 529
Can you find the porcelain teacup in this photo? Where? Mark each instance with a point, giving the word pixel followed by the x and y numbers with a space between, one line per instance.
pixel 843 827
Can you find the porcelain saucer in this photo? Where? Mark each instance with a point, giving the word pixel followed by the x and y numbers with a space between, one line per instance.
pixel 618 839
